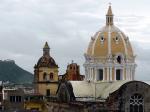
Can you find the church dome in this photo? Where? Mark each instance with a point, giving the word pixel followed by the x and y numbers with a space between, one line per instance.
pixel 46 60
pixel 109 41
pixel 109 56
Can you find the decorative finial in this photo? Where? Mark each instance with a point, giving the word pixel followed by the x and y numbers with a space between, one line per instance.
pixel 72 61
pixel 109 3
pixel 46 45
pixel 46 49
pixel 109 16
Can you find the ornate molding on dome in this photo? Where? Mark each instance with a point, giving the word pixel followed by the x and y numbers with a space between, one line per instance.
pixel 46 62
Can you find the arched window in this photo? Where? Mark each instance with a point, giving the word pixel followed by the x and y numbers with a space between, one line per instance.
pixel 117 38
pixel 119 59
pixel 51 76
pixel 136 103
pixel 102 39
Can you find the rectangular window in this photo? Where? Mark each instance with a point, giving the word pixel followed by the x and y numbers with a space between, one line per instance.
pixel 48 92
pixel 118 74
pixel 18 98
pixel 11 98
pixel 100 75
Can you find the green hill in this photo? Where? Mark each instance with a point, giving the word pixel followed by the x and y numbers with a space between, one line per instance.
pixel 11 72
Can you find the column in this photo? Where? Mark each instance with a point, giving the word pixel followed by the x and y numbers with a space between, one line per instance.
pixel 123 74
pixel 126 73
pixel 104 74
pixel 95 74
pixel 88 73
pixel 91 73
pixel 110 74
pixel 129 74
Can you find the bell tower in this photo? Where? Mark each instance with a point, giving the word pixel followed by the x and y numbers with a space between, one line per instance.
pixel 46 74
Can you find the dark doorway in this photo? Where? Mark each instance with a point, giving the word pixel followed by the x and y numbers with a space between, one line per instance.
pixel 100 76
pixel 48 92
pixel 118 74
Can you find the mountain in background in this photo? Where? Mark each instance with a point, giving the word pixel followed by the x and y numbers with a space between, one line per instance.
pixel 11 72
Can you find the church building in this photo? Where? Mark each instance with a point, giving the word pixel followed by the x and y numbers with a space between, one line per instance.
pixel 109 75
pixel 109 56
pixel 46 74
pixel 73 73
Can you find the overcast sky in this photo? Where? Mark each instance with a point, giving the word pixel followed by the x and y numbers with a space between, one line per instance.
pixel 67 25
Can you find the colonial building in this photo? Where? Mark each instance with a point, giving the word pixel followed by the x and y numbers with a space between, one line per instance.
pixel 46 74
pixel 13 99
pixel 73 73
pixel 109 75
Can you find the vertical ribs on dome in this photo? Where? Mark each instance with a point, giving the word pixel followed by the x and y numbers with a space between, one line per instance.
pixel 109 16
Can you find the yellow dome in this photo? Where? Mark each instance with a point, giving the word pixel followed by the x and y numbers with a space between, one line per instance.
pixel 109 56
pixel 109 41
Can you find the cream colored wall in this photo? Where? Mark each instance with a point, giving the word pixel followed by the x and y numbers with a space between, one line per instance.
pixel 48 71
pixel 44 85
pixel 52 86
pixel 125 74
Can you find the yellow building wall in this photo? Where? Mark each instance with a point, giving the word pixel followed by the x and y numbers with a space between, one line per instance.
pixel 35 105
pixel 52 86
pixel 117 47
pixel 43 85
pixel 47 70
pixel 101 49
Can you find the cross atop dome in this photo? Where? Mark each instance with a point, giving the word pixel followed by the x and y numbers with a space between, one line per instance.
pixel 46 45
pixel 109 12
pixel 109 16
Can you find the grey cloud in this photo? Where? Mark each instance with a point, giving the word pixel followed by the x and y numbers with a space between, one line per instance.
pixel 67 25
